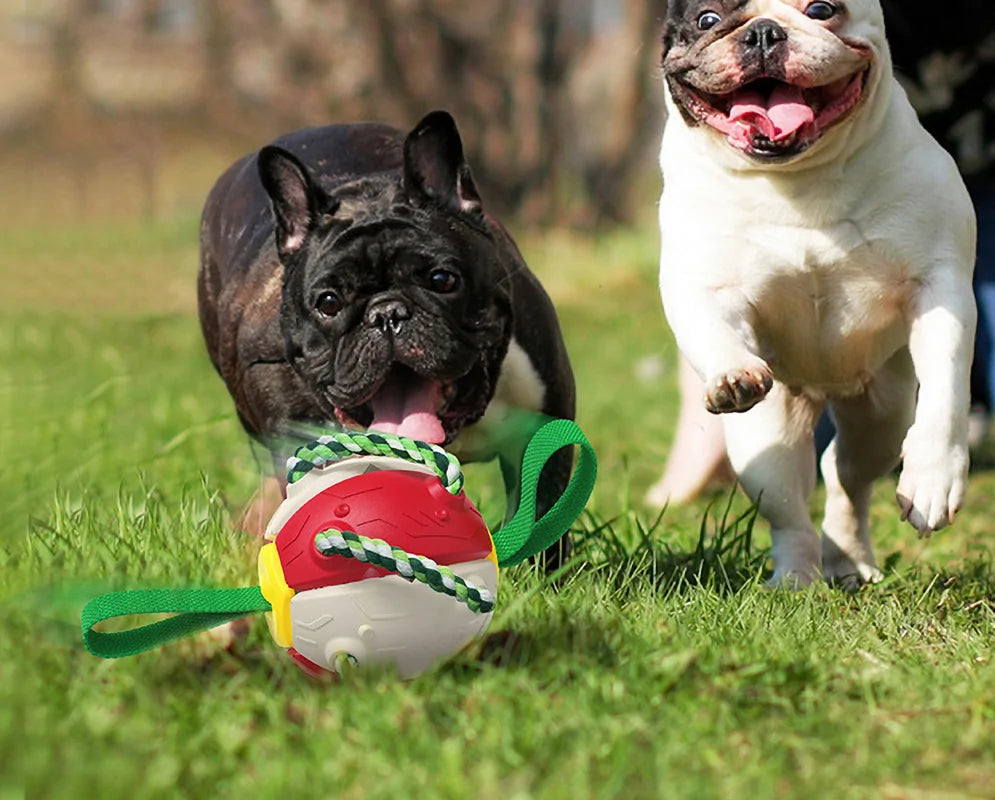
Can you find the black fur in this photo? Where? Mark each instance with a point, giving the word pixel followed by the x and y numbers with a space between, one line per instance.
pixel 387 231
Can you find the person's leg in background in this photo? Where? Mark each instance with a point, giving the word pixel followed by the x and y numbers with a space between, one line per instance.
pixel 983 369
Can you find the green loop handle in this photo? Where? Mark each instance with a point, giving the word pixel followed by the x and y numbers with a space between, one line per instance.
pixel 524 536
pixel 195 609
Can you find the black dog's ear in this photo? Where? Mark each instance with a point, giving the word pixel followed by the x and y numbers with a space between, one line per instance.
pixel 434 165
pixel 295 198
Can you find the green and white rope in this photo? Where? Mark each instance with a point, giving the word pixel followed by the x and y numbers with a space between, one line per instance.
pixel 413 567
pixel 344 444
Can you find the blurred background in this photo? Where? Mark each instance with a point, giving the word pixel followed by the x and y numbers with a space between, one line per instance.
pixel 117 116
pixel 127 110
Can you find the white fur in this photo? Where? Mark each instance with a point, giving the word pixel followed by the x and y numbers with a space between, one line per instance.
pixel 846 275
pixel 519 387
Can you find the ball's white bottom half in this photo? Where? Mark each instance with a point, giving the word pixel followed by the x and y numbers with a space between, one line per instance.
pixel 389 620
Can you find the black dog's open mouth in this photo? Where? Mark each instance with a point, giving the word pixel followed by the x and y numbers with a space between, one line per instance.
pixel 771 118
pixel 418 407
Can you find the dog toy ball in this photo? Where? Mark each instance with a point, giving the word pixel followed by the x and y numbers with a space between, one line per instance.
pixel 375 556
pixel 366 556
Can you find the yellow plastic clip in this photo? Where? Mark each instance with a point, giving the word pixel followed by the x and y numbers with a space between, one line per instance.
pixel 275 589
pixel 492 556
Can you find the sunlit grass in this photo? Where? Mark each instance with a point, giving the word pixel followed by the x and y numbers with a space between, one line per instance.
pixel 656 666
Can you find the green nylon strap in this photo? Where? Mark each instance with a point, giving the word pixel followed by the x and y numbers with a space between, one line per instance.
pixel 195 610
pixel 199 609
pixel 524 535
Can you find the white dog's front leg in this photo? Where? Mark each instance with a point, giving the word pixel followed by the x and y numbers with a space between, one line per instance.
pixel 934 473
pixel 721 352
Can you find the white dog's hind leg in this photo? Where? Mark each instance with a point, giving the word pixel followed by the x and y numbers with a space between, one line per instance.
pixel 847 554
pixel 869 433
pixel 697 455
pixel 772 451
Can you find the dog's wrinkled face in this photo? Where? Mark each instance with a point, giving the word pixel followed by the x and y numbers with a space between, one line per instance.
pixel 394 312
pixel 771 76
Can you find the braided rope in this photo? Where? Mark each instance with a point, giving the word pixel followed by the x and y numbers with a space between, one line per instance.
pixel 343 444
pixel 420 568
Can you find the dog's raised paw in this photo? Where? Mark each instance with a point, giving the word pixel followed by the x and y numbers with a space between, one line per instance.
pixel 738 389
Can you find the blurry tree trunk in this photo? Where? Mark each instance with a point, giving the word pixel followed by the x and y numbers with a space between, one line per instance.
pixel 502 69
pixel 219 88
pixel 558 114
pixel 393 70
pixel 551 68
pixel 70 114
pixel 610 181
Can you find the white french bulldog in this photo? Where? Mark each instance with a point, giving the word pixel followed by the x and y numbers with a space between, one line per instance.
pixel 817 249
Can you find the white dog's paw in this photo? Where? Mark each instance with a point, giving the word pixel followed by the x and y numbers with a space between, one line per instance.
pixel 791 580
pixel 738 389
pixel 848 561
pixel 850 575
pixel 797 559
pixel 932 485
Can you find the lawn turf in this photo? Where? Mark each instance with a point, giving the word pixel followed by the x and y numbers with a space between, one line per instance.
pixel 659 667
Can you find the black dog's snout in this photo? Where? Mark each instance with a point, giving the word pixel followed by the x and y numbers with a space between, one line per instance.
pixel 765 35
pixel 387 315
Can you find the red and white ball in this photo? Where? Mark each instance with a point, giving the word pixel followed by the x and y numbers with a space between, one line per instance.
pixel 330 609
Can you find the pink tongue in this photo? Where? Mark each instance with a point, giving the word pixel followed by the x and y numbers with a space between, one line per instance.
pixel 776 118
pixel 409 408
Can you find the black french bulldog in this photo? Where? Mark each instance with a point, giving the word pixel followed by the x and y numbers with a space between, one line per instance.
pixel 349 276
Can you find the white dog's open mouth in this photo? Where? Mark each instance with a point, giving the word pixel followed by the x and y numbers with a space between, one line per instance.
pixel 771 118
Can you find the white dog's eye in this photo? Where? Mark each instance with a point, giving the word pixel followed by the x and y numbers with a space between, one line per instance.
pixel 820 11
pixel 709 19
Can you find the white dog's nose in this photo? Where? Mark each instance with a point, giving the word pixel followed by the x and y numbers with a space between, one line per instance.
pixel 765 35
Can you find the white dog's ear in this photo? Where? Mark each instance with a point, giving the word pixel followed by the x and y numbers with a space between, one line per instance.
pixel 435 168
pixel 295 198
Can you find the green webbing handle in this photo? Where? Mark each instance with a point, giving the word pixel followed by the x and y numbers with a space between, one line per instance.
pixel 524 535
pixel 195 609
pixel 199 609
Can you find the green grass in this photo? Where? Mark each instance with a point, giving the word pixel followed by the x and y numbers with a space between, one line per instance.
pixel 659 667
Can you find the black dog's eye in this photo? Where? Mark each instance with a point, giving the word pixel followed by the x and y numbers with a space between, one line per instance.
pixel 443 281
pixel 708 20
pixel 328 304
pixel 820 11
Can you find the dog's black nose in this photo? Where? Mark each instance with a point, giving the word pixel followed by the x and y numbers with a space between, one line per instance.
pixel 764 34
pixel 387 315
